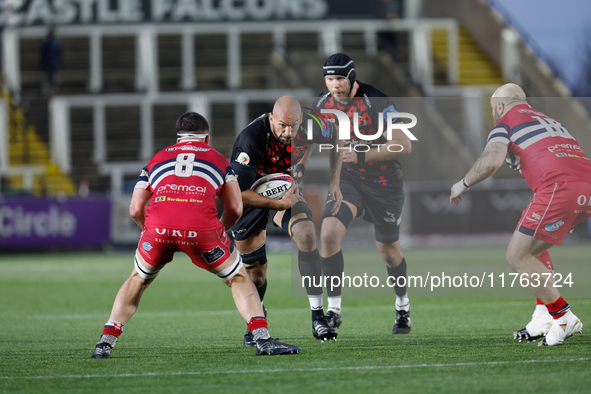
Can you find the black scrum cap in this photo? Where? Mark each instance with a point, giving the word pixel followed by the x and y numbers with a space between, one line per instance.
pixel 340 65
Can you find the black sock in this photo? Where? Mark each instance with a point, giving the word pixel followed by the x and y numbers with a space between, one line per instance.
pixel 395 272
pixel 309 264
pixel 317 313
pixel 333 266
pixel 262 290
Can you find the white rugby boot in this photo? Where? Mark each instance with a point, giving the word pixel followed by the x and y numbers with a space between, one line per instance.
pixel 540 324
pixel 565 326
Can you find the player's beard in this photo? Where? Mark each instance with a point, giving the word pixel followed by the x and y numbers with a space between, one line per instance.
pixel 342 99
pixel 281 140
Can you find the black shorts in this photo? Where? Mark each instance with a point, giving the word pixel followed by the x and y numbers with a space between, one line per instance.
pixel 257 218
pixel 380 206
pixel 252 219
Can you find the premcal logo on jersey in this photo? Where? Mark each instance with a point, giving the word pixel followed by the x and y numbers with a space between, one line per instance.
pixel 243 158
pixel 188 189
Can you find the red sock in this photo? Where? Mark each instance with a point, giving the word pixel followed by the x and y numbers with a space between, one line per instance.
pixel 257 322
pixel 558 308
pixel 113 328
pixel 545 259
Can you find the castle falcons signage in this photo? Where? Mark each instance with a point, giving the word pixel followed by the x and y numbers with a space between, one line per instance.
pixel 84 12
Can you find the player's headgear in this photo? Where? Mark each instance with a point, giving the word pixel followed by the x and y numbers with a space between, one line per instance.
pixel 192 125
pixel 340 65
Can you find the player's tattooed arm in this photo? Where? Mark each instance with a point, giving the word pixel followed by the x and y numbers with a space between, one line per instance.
pixel 491 159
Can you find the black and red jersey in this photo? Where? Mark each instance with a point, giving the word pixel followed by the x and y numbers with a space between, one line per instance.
pixel 370 104
pixel 257 152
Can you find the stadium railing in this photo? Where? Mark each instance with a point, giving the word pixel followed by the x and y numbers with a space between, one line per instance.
pixel 146 54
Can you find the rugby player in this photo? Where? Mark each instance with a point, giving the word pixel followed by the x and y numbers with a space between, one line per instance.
pixel 274 143
pixel 559 175
pixel 174 204
pixel 371 183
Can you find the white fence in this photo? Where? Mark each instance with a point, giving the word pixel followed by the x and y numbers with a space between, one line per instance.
pixel 146 54
pixel 59 110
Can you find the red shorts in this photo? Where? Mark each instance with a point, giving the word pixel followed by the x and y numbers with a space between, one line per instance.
pixel 207 249
pixel 555 210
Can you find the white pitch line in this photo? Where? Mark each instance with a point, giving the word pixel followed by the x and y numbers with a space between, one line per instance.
pixel 231 312
pixel 369 367
pixel 450 304
pixel 191 313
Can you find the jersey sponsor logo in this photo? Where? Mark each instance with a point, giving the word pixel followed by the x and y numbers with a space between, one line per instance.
pixel 571 155
pixel 189 147
pixel 161 198
pixel 182 188
pixel 177 233
pixel 147 246
pixel 535 217
pixel 554 225
pixel 564 146
pixel 320 120
pixel 529 111
pixel 582 200
pixel 243 158
pixel 380 182
pixel 390 218
pixel 213 255
pixel 177 199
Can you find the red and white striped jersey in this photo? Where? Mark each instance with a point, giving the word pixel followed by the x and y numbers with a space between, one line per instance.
pixel 184 180
pixel 541 147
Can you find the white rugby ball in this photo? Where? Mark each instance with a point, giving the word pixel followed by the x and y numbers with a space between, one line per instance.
pixel 273 185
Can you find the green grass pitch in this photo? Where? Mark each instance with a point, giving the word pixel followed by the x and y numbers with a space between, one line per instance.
pixel 187 336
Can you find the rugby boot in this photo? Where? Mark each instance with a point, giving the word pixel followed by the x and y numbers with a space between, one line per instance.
pixel 402 322
pixel 562 328
pixel 272 346
pixel 333 319
pixel 321 330
pixel 248 338
pixel 538 327
pixel 104 346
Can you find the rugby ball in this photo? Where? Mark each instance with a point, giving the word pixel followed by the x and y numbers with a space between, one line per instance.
pixel 273 185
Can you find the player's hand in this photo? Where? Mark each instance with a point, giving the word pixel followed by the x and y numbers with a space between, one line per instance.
pixel 290 198
pixel 457 191
pixel 298 172
pixel 350 157
pixel 336 196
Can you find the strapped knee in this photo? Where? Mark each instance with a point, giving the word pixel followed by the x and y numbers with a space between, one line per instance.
pixel 229 272
pixel 344 214
pixel 142 270
pixel 300 212
pixel 255 258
